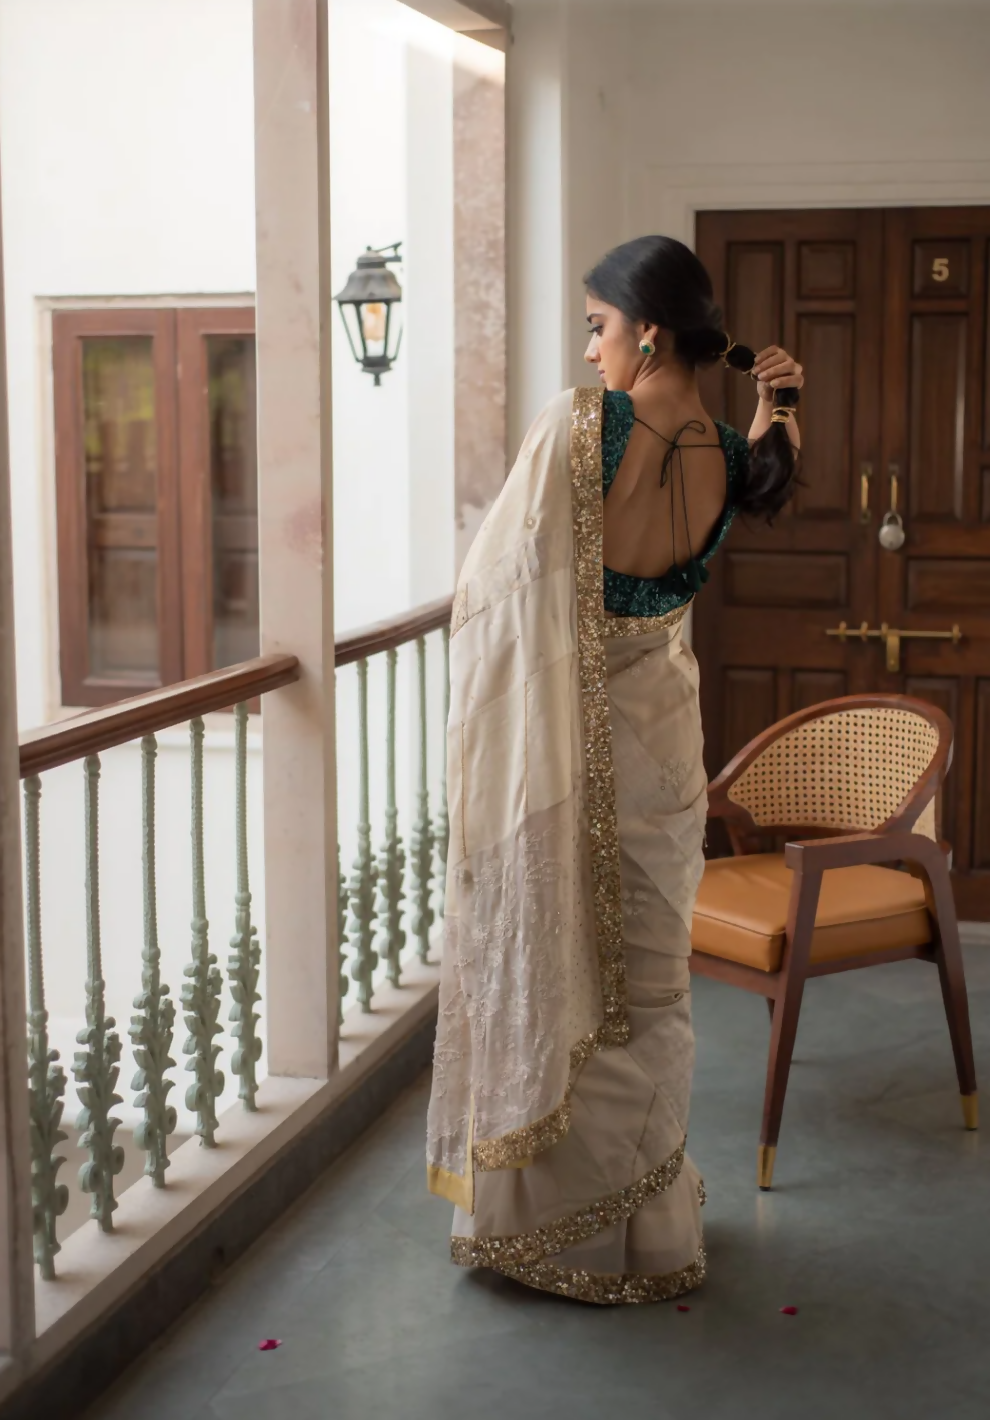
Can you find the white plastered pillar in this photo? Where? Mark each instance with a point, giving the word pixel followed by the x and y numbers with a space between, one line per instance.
pixel 16 1251
pixel 294 305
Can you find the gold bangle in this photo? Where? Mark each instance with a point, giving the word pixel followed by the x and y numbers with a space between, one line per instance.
pixel 781 414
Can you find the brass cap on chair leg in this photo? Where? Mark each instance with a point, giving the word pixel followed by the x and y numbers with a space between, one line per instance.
pixel 765 1156
pixel 971 1110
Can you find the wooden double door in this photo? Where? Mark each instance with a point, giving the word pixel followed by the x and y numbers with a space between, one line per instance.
pixel 888 313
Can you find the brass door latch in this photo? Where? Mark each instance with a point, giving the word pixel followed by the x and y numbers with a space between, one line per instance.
pixel 891 638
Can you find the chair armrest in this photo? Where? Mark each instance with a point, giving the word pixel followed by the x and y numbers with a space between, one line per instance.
pixel 852 849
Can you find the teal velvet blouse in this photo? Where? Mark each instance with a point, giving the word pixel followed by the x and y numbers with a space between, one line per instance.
pixel 654 596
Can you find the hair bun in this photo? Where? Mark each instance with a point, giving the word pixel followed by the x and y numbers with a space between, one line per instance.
pixel 708 344
pixel 699 347
pixel 740 357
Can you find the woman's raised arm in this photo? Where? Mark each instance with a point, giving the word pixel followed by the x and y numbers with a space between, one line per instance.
pixel 774 370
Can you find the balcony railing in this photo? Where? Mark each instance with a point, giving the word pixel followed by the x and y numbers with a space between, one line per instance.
pixel 371 916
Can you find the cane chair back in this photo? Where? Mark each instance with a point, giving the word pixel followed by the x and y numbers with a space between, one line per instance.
pixel 846 765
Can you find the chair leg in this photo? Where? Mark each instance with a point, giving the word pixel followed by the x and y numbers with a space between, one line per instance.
pixel 953 982
pixel 784 1015
pixel 801 913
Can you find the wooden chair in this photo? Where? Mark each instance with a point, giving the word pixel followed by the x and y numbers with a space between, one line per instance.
pixel 856 783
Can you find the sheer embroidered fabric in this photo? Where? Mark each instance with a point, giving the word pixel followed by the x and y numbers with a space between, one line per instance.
pixel 521 999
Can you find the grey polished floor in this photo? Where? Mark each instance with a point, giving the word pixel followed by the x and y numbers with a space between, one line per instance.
pixel 878 1231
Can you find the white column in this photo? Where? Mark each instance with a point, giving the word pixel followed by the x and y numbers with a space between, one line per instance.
pixel 479 287
pixel 535 72
pixel 296 530
pixel 16 1254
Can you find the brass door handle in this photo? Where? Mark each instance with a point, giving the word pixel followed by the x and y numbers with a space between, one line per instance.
pixel 891 637
pixel 865 474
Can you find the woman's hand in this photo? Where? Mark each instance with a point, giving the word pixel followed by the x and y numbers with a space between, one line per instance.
pixel 774 369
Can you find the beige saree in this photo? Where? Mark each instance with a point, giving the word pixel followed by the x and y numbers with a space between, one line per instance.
pixel 577 804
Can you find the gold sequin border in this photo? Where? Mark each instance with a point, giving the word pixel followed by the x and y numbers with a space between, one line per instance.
pixel 525 1142
pixel 586 503
pixel 610 1289
pixel 531 1139
pixel 525 1249
pixel 644 625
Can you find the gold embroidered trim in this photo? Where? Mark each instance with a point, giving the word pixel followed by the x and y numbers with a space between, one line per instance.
pixel 454 1187
pixel 644 625
pixel 520 1145
pixel 609 1289
pixel 509 1150
pixel 525 1249
pixel 586 501
pixel 702 1194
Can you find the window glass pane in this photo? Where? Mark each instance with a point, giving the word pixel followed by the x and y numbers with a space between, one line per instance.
pixel 120 451
pixel 234 484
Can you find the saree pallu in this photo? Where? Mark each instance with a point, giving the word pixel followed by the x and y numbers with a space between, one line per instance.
pixel 577 800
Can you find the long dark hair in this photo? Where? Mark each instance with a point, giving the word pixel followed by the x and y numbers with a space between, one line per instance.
pixel 660 281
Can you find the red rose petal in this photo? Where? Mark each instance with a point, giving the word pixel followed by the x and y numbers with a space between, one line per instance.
pixel 268 1345
pixel 682 1308
pixel 788 1311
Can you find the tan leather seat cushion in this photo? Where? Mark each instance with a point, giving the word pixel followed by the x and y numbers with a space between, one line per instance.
pixel 741 912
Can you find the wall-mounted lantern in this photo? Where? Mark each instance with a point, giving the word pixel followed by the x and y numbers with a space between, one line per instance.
pixel 371 292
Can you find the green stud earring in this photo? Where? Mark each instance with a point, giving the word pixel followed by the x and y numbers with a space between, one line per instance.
pixel 647 347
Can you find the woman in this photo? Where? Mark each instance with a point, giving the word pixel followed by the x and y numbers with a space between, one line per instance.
pixel 577 800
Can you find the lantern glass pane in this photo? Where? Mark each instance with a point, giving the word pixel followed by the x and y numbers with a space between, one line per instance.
pixel 351 316
pixel 373 322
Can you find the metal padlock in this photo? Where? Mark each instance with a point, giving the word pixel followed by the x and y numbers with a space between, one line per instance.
pixel 892 534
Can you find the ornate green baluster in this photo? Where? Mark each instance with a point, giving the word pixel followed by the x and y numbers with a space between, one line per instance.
pixel 96 1068
pixel 243 966
pixel 345 984
pixel 361 897
pixel 151 1028
pixel 443 821
pixel 46 1078
pixel 392 856
pixel 201 992
pixel 422 839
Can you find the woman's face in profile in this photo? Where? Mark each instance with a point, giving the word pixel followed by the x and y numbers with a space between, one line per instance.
pixel 614 345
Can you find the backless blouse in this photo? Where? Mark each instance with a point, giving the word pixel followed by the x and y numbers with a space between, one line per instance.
pixel 655 596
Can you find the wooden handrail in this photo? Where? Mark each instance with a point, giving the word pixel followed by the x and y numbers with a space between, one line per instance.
pixel 95 730
pixel 389 635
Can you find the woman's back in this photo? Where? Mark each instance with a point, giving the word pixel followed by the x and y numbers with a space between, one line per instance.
pixel 668 496
pixel 671 477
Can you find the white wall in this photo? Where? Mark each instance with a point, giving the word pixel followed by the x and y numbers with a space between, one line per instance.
pixel 391 156
pixel 664 109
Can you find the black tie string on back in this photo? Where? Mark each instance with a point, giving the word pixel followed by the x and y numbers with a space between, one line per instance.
pixel 694 573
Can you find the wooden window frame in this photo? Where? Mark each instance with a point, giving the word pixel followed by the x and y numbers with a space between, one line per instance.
pixel 194 325
pixel 183 505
